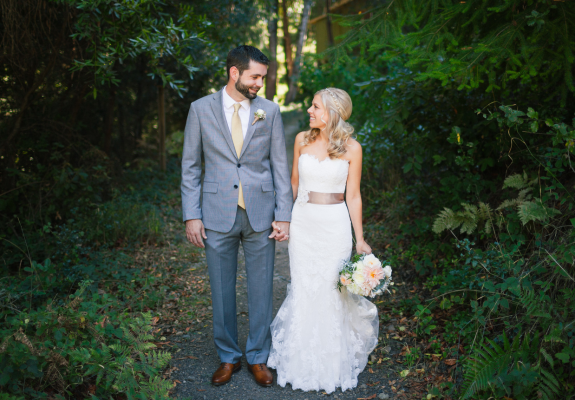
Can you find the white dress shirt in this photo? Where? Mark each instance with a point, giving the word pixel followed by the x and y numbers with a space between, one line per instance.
pixel 244 111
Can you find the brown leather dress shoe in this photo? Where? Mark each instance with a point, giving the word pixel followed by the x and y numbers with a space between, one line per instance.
pixel 224 373
pixel 262 374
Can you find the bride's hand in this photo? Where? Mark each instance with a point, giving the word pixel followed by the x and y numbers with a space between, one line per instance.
pixel 362 248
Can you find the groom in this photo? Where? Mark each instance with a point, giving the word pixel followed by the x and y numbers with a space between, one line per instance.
pixel 246 197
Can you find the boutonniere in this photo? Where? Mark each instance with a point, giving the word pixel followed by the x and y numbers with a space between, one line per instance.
pixel 259 114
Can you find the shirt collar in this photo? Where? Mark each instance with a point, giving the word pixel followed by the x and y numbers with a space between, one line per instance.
pixel 229 102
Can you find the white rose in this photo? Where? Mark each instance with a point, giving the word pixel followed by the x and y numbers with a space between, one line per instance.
pixel 353 288
pixel 358 277
pixel 387 271
pixel 368 258
pixel 371 261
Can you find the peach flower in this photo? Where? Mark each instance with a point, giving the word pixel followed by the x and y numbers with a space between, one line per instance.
pixel 373 274
pixel 344 281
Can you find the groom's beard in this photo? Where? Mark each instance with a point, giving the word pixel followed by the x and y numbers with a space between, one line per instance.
pixel 245 90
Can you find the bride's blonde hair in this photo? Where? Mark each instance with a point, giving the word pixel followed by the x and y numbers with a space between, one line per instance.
pixel 338 105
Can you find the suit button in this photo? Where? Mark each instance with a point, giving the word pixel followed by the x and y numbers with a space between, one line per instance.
pixel 239 165
pixel 235 186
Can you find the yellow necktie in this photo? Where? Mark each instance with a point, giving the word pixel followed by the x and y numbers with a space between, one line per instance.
pixel 238 138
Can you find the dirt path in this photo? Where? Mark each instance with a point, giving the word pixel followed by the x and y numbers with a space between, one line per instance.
pixel 195 358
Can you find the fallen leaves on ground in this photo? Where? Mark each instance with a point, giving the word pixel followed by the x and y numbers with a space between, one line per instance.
pixel 367 398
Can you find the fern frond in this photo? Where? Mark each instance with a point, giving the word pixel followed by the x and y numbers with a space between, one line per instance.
pixel 525 194
pixel 488 227
pixel 484 211
pixel 445 220
pixel 516 181
pixel 509 203
pixel 535 211
pixel 546 356
pixel 548 387
pixel 488 360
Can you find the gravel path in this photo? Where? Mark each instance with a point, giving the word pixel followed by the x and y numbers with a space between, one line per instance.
pixel 195 373
pixel 195 358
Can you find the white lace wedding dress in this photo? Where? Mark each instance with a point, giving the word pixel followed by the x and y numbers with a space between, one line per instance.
pixel 321 338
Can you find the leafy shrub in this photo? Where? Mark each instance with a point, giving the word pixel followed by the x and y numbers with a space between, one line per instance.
pixel 77 349
pixel 119 219
pixel 53 346
pixel 504 371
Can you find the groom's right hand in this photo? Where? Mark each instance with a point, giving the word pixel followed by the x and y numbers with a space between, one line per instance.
pixel 195 232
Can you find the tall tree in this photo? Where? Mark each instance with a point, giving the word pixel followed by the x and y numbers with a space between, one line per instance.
pixel 300 42
pixel 287 40
pixel 328 23
pixel 161 128
pixel 271 78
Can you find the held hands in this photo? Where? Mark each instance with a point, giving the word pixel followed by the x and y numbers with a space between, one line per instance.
pixel 362 248
pixel 281 231
pixel 195 232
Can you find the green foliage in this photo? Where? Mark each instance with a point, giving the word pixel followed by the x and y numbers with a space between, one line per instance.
pixel 468 218
pixel 503 371
pixel 122 218
pixel 116 32
pixel 98 340
pixel 67 346
pixel 477 44
pixel 80 105
pixel 424 320
pixel 525 207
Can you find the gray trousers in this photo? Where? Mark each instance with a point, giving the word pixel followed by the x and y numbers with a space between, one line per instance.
pixel 222 257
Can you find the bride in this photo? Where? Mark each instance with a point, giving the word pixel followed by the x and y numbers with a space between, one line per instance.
pixel 321 338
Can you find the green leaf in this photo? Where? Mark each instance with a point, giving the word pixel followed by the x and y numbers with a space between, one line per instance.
pixel 439 159
pixel 563 357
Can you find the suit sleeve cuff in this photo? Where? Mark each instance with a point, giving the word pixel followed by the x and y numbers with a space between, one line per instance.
pixel 282 216
pixel 192 214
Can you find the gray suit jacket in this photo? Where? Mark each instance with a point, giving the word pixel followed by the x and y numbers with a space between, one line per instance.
pixel 262 167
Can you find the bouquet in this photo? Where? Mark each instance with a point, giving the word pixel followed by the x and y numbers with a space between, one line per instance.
pixel 364 275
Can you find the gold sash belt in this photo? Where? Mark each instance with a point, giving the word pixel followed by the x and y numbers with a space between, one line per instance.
pixel 325 198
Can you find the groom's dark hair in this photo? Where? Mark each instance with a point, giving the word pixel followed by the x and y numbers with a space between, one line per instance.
pixel 240 58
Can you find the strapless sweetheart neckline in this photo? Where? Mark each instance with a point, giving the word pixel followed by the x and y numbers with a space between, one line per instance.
pixel 314 157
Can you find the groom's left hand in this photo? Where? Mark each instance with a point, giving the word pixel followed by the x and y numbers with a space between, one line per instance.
pixel 281 231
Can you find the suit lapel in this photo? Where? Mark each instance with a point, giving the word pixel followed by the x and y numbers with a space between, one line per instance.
pixel 251 128
pixel 218 109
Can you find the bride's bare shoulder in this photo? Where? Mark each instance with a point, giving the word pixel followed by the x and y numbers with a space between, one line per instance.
pixel 300 136
pixel 299 139
pixel 353 147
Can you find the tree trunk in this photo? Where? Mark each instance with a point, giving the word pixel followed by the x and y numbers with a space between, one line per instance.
pixel 78 100
pixel 162 128
pixel 109 121
pixel 272 76
pixel 328 22
pixel 287 41
pixel 298 59
pixel 139 104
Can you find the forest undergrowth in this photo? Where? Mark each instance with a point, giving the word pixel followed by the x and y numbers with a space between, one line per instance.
pixel 88 306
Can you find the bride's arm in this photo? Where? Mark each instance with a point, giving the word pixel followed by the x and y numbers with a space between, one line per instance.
pixel 294 171
pixel 353 195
